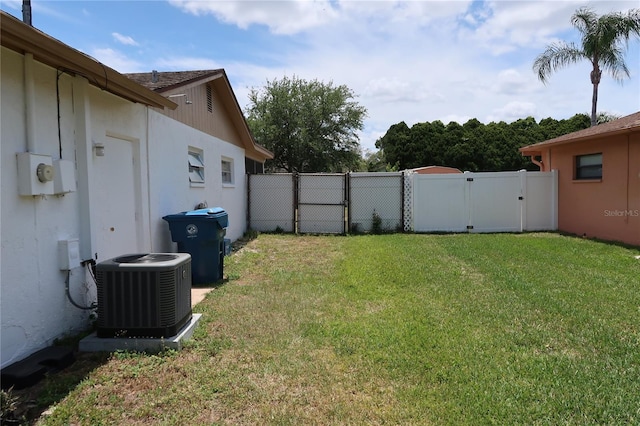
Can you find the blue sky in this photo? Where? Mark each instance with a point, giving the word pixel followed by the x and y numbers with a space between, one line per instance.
pixel 411 61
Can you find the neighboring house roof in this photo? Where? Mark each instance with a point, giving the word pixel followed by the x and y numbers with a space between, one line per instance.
pixel 165 82
pixel 628 124
pixel 435 170
pixel 22 38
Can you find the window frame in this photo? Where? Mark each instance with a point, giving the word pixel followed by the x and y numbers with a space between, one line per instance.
pixel 195 161
pixel 589 171
pixel 230 173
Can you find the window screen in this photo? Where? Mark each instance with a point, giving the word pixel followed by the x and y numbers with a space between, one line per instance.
pixel 589 166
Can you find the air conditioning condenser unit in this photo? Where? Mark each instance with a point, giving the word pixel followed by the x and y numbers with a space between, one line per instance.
pixel 144 295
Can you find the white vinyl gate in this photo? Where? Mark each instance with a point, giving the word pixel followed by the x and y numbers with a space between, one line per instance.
pixel 484 202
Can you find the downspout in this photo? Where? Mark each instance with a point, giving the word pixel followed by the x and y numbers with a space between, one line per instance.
pixel 149 184
pixel 537 163
pixel 627 209
pixel 30 102
pixel 84 164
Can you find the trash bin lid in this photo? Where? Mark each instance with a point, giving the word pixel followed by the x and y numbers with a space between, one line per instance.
pixel 216 215
pixel 214 211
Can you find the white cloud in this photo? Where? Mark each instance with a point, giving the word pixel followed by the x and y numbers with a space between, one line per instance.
pixel 282 17
pixel 127 40
pixel 460 119
pixel 513 111
pixel 297 16
pixel 118 60
pixel 512 25
pixel 186 64
pixel 513 82
pixel 390 90
pixel 406 13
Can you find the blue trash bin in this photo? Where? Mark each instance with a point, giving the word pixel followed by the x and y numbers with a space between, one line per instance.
pixel 201 234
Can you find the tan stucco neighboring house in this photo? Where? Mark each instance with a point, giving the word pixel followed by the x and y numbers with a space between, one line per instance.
pixel 206 102
pixel 598 179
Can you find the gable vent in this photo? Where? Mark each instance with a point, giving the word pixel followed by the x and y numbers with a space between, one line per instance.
pixel 209 99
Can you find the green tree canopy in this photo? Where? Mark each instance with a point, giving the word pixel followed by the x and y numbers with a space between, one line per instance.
pixel 310 126
pixel 473 146
pixel 603 42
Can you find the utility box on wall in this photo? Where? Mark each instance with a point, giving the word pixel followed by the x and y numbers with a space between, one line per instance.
pixel 69 254
pixel 35 174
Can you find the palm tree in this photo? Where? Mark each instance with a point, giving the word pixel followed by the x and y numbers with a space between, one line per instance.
pixel 604 40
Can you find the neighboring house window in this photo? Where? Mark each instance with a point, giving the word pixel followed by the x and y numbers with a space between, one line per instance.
pixel 589 166
pixel 227 171
pixel 196 167
pixel 209 99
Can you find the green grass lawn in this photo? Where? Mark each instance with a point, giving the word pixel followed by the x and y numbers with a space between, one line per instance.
pixel 394 329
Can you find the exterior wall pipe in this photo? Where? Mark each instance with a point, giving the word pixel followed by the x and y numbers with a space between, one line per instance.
pixel 537 163
pixel 30 102
pixel 26 12
pixel 84 161
pixel 627 207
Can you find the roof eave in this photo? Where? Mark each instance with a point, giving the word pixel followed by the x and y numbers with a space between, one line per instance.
pixel 183 85
pixel 241 121
pixel 541 146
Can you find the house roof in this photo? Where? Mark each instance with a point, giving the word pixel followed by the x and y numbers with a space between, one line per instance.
pixel 627 124
pixel 22 38
pixel 163 82
pixel 428 169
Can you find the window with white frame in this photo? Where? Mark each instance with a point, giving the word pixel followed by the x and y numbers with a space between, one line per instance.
pixel 227 171
pixel 588 166
pixel 196 167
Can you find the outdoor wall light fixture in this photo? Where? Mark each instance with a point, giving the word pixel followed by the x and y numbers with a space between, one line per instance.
pixel 98 149
pixel 186 100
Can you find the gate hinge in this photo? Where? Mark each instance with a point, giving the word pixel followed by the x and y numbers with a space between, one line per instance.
pixel 469 179
pixel 469 226
pixel 521 198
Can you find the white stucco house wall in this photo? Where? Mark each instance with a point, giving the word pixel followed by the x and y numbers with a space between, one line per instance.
pixel 214 134
pixel 91 161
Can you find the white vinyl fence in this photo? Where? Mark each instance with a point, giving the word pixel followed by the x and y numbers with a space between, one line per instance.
pixel 484 202
pixel 467 202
